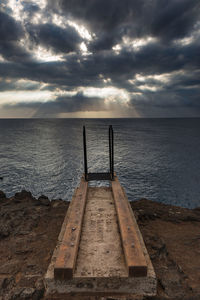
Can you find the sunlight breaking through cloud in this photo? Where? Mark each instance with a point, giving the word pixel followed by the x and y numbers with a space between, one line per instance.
pixel 14 97
pixel 109 93
pixel 84 33
pixel 91 56
pixel 43 55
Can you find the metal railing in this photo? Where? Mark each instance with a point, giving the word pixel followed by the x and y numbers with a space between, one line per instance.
pixel 102 175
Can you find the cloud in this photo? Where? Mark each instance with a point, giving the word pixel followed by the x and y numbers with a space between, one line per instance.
pixel 10 29
pixel 150 49
pixel 175 19
pixel 99 14
pixel 18 85
pixel 78 70
pixel 78 102
pixel 63 40
pixel 62 104
pixel 11 32
pixel 163 19
pixel 30 8
pixel 71 103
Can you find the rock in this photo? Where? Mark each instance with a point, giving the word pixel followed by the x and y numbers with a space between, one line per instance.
pixel 6 283
pixel 27 293
pixel 172 284
pixel 191 218
pixel 35 217
pixel 43 197
pixel 159 247
pixel 56 202
pixel 39 289
pixel 4 230
pixel 2 195
pixel 23 195
pixel 2 283
pixel 44 200
pixel 10 267
pixel 20 293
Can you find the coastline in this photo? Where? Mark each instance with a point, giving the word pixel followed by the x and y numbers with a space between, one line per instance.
pixel 29 229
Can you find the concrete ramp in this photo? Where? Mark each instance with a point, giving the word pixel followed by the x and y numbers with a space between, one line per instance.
pixel 100 250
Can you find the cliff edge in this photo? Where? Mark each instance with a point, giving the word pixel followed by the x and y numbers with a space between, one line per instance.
pixel 29 229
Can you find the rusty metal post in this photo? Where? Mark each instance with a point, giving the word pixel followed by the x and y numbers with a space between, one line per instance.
pixel 85 153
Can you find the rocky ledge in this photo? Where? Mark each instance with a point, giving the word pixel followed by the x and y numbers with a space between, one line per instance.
pixel 29 229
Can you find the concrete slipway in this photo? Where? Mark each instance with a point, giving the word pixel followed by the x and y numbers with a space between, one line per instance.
pixel 100 250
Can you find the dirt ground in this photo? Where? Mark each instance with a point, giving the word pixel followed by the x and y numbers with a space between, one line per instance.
pixel 29 230
pixel 172 238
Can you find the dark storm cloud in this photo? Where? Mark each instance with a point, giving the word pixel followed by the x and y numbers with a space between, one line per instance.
pixel 167 103
pixel 187 80
pixel 104 42
pixel 110 23
pixel 110 20
pixel 160 18
pixel 99 14
pixel 68 74
pixel 11 32
pixel 175 19
pixel 153 58
pixel 76 71
pixel 12 51
pixel 62 40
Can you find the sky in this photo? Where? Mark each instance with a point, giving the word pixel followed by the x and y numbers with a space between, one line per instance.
pixel 99 58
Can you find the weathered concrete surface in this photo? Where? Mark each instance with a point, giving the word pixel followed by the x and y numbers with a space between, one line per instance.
pixel 100 268
pixel 100 252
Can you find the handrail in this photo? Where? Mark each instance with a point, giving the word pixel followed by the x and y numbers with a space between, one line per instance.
pixel 100 176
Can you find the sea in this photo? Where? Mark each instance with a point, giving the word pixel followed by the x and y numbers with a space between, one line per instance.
pixel 157 159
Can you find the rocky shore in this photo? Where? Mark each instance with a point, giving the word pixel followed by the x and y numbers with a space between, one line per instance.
pixel 29 230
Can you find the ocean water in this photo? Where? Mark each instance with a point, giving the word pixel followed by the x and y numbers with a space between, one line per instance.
pixel 158 159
